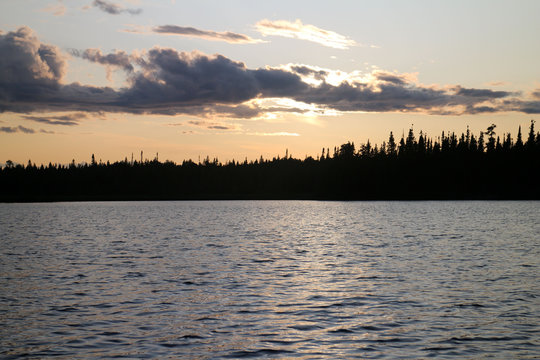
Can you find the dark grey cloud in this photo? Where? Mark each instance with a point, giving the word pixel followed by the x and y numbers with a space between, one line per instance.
pixel 484 93
pixel 118 58
pixel 308 71
pixel 381 98
pixel 17 129
pixel 47 132
pixel 212 125
pixel 8 129
pixel 165 81
pixel 530 107
pixel 30 72
pixel 391 78
pixel 24 130
pixel 228 111
pixel 114 9
pixel 481 109
pixel 524 106
pixel 219 127
pixel 24 59
pixel 65 120
pixel 227 36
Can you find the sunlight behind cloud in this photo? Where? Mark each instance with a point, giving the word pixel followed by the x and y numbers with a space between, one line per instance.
pixel 271 107
pixel 298 30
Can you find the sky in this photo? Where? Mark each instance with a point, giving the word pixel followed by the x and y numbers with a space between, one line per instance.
pixel 243 79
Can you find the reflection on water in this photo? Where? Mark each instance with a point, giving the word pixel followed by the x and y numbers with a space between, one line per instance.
pixel 317 280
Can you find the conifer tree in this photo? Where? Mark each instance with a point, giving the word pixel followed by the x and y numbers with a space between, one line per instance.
pixel 519 141
pixel 507 143
pixel 490 131
pixel 473 145
pixel 530 139
pixel 410 143
pixel 391 145
pixel 401 150
pixel 481 142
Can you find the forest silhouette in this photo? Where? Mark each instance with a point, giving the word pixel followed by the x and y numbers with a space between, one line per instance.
pixel 486 166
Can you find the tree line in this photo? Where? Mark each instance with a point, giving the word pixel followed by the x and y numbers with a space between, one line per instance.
pixel 451 166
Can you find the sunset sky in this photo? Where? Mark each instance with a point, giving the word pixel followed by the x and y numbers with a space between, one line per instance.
pixel 236 79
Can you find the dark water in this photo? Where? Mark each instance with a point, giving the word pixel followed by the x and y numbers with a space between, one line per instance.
pixel 313 280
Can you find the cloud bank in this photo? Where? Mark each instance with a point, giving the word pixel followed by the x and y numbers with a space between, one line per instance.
pixel 227 36
pixel 165 81
pixel 298 30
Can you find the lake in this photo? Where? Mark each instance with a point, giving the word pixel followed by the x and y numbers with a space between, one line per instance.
pixel 270 279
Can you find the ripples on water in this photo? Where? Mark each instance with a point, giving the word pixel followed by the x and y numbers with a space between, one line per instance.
pixel 314 280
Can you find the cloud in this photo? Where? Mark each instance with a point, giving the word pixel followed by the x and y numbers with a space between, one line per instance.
pixel 529 107
pixel 29 70
pixel 25 59
pixel 524 106
pixel 24 130
pixel 497 83
pixel 57 9
pixel 119 59
pixel 308 71
pixel 484 93
pixel 48 132
pixel 165 81
pixel 19 128
pixel 136 29
pixel 213 125
pixel 65 120
pixel 397 79
pixel 298 30
pixel 270 107
pixel 227 36
pixel 114 9
pixel 7 129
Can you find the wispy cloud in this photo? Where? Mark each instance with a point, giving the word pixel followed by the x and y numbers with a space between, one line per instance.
pixel 213 125
pixel 226 36
pixel 136 29
pixel 114 9
pixel 298 30
pixel 57 9
pixel 118 59
pixel 10 130
pixel 22 129
pixel 65 120
pixel 497 83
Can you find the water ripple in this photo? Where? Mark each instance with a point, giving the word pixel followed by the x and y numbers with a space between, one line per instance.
pixel 270 279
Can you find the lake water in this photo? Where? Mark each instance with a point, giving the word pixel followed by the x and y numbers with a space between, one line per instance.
pixel 270 279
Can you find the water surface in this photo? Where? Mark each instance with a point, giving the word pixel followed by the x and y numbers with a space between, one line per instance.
pixel 274 279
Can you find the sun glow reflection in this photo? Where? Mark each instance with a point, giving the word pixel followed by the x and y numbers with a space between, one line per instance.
pixel 274 106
